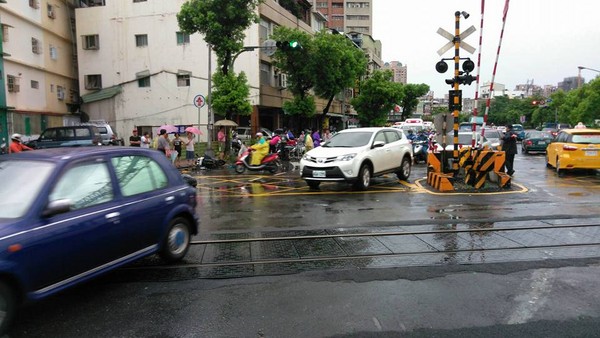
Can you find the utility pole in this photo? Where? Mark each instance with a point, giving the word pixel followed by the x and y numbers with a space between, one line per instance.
pixel 3 108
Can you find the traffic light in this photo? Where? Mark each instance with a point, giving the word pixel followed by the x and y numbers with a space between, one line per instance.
pixel 288 45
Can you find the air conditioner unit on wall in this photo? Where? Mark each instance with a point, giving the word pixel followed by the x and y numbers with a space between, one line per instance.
pixel 282 80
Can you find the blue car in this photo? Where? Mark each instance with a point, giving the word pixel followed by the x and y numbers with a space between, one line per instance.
pixel 71 214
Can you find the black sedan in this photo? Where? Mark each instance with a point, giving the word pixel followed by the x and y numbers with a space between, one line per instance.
pixel 536 141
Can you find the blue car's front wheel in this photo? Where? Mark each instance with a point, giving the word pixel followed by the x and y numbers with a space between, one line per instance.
pixel 177 241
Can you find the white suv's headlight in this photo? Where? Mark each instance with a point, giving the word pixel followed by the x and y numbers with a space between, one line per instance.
pixel 306 157
pixel 347 157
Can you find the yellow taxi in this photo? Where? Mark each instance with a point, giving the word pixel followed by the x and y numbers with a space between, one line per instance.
pixel 574 149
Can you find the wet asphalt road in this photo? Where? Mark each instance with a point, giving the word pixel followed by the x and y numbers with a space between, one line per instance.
pixel 550 296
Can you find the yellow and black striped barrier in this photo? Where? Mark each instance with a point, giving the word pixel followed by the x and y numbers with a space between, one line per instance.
pixel 440 181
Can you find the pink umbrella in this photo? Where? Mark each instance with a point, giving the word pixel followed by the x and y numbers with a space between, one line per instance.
pixel 169 128
pixel 193 130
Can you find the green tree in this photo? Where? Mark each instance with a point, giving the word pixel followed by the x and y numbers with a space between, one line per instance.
pixel 222 22
pixel 378 95
pixel 230 96
pixel 410 98
pixel 337 64
pixel 325 63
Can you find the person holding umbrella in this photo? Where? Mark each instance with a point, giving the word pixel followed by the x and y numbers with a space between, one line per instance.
pixel 189 148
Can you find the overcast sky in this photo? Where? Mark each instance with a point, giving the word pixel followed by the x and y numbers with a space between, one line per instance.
pixel 544 40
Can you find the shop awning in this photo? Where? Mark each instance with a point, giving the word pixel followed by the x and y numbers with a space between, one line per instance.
pixel 102 94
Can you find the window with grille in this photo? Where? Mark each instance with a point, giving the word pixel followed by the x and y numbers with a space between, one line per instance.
pixel 141 40
pixel 93 81
pixel 12 83
pixel 183 80
pixel 265 74
pixel 183 38
pixel 35 84
pixel 35 46
pixel 140 0
pixel 53 53
pixel 51 13
pixel 60 92
pixel 5 33
pixel 34 4
pixel 91 41
pixel 144 82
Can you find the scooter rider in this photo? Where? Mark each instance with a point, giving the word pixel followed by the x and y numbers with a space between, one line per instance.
pixel 260 150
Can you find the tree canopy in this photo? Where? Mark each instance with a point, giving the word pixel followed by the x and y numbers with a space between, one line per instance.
pixel 222 22
pixel 325 63
pixel 377 97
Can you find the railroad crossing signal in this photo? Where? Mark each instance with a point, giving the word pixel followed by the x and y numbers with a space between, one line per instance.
pixel 450 38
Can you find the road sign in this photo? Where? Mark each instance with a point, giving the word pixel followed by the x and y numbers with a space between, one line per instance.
pixel 199 101
pixel 450 38
pixel 269 47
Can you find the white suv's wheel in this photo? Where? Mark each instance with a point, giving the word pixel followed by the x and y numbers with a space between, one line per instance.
pixel 405 168
pixel 364 178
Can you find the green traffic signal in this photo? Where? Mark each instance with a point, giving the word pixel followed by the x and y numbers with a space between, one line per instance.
pixel 288 45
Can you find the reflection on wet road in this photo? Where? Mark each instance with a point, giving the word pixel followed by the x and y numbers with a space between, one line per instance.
pixel 270 224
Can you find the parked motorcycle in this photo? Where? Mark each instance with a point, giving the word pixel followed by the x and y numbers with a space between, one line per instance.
pixel 236 143
pixel 208 162
pixel 271 162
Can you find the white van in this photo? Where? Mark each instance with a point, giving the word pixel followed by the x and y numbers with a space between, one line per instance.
pixel 413 124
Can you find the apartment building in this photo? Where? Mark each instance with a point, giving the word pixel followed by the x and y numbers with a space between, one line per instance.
pixel 137 70
pixel 38 68
pixel 398 69
pixel 347 15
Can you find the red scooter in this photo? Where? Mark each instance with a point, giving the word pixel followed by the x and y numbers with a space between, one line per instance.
pixel 271 162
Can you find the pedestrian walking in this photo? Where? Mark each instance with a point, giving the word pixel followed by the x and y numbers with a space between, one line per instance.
pixel 177 145
pixel 316 138
pixel 163 142
pixel 308 141
pixel 221 139
pixel 189 149
pixel 509 145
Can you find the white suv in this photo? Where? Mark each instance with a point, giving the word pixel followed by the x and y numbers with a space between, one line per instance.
pixel 357 155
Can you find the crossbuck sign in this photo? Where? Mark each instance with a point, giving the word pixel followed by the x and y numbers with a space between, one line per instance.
pixel 450 38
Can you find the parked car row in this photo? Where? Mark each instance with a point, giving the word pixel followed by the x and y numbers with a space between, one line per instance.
pixel 84 134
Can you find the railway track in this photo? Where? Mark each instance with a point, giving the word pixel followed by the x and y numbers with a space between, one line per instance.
pixel 246 254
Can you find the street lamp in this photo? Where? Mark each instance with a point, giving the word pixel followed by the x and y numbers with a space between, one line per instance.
pixel 579 74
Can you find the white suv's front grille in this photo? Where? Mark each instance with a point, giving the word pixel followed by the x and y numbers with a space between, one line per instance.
pixel 321 160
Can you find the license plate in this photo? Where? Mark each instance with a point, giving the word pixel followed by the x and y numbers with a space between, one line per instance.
pixel 318 173
pixel 591 153
pixel 541 143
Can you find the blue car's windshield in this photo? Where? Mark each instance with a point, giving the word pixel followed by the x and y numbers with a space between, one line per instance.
pixel 21 185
